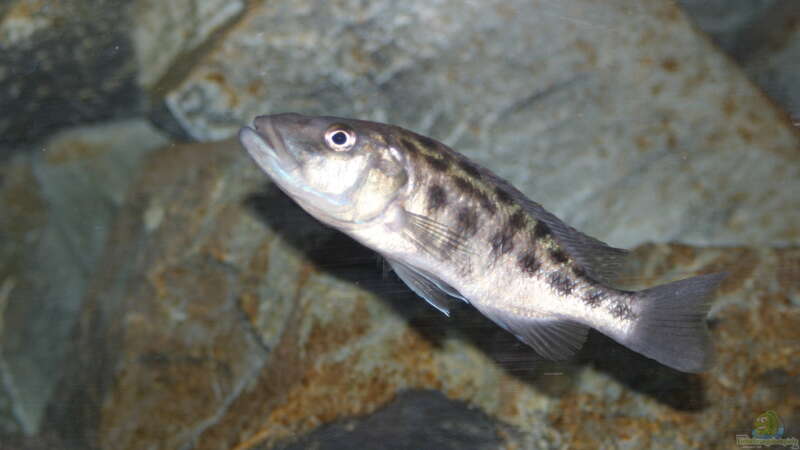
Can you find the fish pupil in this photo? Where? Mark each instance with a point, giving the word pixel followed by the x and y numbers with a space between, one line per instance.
pixel 339 138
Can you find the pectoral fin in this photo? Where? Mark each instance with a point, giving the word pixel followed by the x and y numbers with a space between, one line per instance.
pixel 433 290
pixel 434 237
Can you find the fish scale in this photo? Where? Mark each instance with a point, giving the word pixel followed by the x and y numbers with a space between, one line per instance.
pixel 466 186
pixel 453 230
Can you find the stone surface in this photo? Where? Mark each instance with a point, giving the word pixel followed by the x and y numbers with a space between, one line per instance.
pixel 63 63
pixel 164 346
pixel 776 66
pixel 57 206
pixel 764 37
pixel 413 420
pixel 216 314
pixel 625 96
pixel 226 317
pixel 167 34
pixel 731 22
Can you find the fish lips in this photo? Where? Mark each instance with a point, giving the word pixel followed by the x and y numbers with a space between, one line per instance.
pixel 265 145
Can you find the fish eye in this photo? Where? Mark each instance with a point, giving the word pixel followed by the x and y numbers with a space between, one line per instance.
pixel 340 139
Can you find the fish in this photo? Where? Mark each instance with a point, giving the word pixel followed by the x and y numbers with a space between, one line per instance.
pixel 453 231
pixel 768 426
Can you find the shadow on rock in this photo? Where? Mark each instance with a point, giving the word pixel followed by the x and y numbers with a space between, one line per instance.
pixel 343 257
pixel 415 419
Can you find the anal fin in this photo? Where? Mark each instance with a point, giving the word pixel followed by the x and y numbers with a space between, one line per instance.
pixel 552 338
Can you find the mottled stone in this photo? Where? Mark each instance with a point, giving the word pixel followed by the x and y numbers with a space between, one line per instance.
pixel 57 206
pixel 763 37
pixel 223 316
pixel 171 331
pixel 415 419
pixel 774 66
pixel 168 35
pixel 226 317
pixel 731 23
pixel 617 128
pixel 63 63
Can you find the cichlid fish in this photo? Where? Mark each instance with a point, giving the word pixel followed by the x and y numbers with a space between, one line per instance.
pixel 452 229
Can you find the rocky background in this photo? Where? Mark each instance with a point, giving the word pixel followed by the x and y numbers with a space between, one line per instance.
pixel 161 293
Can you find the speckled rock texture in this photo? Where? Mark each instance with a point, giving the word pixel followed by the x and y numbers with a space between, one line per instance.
pixel 57 207
pixel 764 37
pixel 186 303
pixel 624 96
pixel 414 419
pixel 63 63
pixel 168 35
pixel 226 317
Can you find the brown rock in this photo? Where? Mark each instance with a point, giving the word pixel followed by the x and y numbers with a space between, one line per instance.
pixel 56 207
pixel 225 317
pixel 669 139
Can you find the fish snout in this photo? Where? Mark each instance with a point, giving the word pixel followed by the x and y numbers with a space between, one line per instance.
pixel 283 121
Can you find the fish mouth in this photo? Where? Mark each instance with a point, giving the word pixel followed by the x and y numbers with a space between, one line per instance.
pixel 264 144
pixel 268 149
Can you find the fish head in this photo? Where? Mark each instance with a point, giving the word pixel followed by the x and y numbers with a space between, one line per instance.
pixel 767 424
pixel 342 171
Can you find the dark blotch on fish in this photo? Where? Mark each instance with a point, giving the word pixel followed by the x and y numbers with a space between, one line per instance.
pixel 594 298
pixel 621 311
pixel 503 196
pixel 469 168
pixel 467 221
pixel 561 283
pixel 469 189
pixel 427 142
pixel 582 275
pixel 559 256
pixel 528 263
pixel 437 198
pixel 502 242
pixel 487 204
pixel 516 221
pixel 465 186
pixel 437 164
pixel 540 230
pixel 409 146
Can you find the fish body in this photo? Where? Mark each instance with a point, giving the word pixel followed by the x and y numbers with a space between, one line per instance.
pixel 453 230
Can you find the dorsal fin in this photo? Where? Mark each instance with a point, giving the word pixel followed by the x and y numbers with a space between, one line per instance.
pixel 598 260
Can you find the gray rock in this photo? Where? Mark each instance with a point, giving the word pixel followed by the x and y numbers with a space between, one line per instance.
pixel 168 32
pixel 415 419
pixel 775 66
pixel 731 22
pixel 165 337
pixel 61 64
pixel 762 36
pixel 223 316
pixel 614 116
pixel 220 314
pixel 58 206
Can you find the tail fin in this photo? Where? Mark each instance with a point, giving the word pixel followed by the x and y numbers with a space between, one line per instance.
pixel 671 327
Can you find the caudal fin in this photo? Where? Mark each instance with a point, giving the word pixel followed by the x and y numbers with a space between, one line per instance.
pixel 672 323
